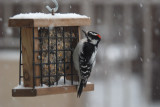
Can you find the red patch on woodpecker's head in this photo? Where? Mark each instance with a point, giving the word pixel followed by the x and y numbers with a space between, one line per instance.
pixel 99 36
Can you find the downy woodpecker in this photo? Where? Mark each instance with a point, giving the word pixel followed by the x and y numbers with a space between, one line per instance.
pixel 84 57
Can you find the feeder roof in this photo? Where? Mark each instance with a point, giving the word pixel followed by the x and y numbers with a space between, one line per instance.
pixel 48 20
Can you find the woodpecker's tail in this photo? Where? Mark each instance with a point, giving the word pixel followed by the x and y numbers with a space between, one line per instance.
pixel 80 88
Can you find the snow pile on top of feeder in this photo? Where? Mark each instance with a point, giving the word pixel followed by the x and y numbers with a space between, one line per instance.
pixel 47 16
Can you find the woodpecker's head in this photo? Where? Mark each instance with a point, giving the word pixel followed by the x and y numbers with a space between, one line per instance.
pixel 92 37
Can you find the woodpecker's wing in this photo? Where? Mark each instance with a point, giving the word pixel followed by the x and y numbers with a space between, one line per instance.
pixel 85 67
pixel 85 63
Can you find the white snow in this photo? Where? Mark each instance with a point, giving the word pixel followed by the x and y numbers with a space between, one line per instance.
pixel 47 16
pixel 119 33
pixel 60 83
pixel 43 86
pixel 22 87
pixel 68 82
pixel 141 59
pixel 141 5
pixel 9 31
pixel 144 30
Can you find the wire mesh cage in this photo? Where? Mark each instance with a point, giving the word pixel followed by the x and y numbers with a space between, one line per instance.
pixel 46 64
pixel 55 49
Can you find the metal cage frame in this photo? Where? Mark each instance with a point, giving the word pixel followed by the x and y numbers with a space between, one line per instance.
pixel 40 38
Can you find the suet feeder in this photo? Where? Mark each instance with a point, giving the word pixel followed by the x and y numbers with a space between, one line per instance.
pixel 47 43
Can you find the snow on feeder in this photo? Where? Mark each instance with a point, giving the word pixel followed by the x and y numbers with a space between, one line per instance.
pixel 47 43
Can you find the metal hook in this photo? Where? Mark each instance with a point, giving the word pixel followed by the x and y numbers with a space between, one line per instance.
pixel 53 10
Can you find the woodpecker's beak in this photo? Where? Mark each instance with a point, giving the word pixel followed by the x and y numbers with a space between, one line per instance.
pixel 85 33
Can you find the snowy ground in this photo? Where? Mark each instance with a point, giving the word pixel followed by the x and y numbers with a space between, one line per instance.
pixel 113 89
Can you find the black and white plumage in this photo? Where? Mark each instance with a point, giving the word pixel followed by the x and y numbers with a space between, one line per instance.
pixel 84 58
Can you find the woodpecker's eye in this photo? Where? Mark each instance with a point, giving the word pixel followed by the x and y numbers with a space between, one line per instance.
pixel 91 33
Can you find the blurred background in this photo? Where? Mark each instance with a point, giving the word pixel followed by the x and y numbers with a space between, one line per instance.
pixel 127 72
